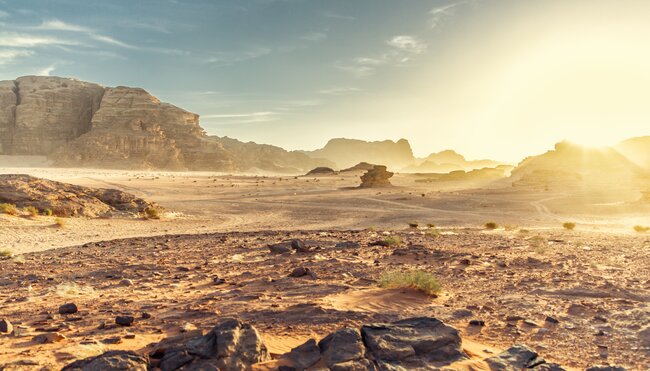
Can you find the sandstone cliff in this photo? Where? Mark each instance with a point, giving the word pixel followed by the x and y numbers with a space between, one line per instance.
pixel 82 124
pixel 349 152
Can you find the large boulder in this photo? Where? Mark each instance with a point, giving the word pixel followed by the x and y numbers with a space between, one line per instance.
pixel 231 345
pixel 520 357
pixel 110 361
pixel 415 343
pixel 378 176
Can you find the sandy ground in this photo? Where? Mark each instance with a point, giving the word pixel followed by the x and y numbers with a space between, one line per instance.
pixel 595 286
pixel 211 202
pixel 595 280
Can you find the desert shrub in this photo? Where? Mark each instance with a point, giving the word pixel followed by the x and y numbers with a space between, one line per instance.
pixel 48 212
pixel 151 213
pixel 415 279
pixel 641 229
pixel 59 222
pixel 413 224
pixel 6 254
pixel 393 240
pixel 431 225
pixel 31 210
pixel 9 209
pixel 569 226
pixel 491 225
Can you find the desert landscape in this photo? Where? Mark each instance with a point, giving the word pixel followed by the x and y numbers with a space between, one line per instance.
pixel 447 185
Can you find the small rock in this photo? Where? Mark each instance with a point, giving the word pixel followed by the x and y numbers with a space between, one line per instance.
pixel 6 327
pixel 124 320
pixel 145 315
pixel 53 337
pixel 531 323
pixel 299 246
pixel 477 322
pixel 550 319
pixel 112 340
pixel 68 308
pixel 301 272
pixel 187 327
pixel 606 368
pixel 218 281
pixel 279 248
pixel 126 282
pixel 347 245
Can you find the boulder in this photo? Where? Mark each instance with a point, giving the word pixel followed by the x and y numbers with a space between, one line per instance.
pixel 519 357
pixel 342 347
pixel 378 176
pixel 231 345
pixel 305 355
pixel 110 361
pixel 321 171
pixel 412 343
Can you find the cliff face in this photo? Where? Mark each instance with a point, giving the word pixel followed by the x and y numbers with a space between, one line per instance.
pixel 82 124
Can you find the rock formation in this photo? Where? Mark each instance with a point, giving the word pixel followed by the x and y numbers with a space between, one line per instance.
pixel 321 170
pixel 423 343
pixel 361 166
pixel 82 124
pixel 67 199
pixel 378 176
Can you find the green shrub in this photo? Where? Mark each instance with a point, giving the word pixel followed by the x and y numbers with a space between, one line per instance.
pixel 5 254
pixel 9 209
pixel 432 232
pixel 31 210
pixel 569 226
pixel 48 212
pixel 491 225
pixel 415 279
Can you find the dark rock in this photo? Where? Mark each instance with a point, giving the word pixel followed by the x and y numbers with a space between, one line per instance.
pixel 550 319
pixel 218 281
pixel 6 327
pixel 299 246
pixel 606 368
pixel 477 322
pixel 280 248
pixel 347 245
pixel 69 308
pixel 124 320
pixel 301 272
pixel 304 355
pixel 413 343
pixel 231 345
pixel 342 346
pixel 322 170
pixel 517 357
pixel 145 315
pixel 53 337
pixel 110 361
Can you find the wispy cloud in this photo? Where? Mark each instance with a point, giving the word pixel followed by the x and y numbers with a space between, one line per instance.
pixel 243 118
pixel 339 91
pixel 58 25
pixel 4 14
pixel 8 56
pixel 22 40
pixel 226 58
pixel 401 49
pixel 314 36
pixel 335 15
pixel 439 14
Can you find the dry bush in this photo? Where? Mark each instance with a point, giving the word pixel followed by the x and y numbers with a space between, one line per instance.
pixel 413 224
pixel 569 226
pixel 9 209
pixel 491 225
pixel 31 210
pixel 393 241
pixel 414 279
pixel 151 213
pixel 641 229
pixel 6 254
pixel 59 222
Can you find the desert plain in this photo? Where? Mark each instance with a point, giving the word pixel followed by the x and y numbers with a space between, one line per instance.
pixel 577 297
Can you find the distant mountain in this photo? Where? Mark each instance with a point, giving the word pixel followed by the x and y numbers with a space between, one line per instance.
pixel 349 152
pixel 637 150
pixel 81 124
pixel 448 161
pixel 569 162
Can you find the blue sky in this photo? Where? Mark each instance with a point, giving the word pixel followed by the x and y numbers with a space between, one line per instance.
pixel 297 72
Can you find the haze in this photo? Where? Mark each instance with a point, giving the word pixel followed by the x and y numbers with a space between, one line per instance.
pixel 491 79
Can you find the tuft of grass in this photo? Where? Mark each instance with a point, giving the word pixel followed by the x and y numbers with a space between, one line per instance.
pixel 432 232
pixel 569 226
pixel 393 240
pixel 491 225
pixel 48 212
pixel 31 210
pixel 59 222
pixel 641 229
pixel 414 279
pixel 6 254
pixel 413 224
pixel 151 213
pixel 9 209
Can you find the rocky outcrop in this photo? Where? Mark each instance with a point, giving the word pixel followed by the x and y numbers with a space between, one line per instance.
pixel 321 170
pixel 348 152
pixel 378 176
pixel 67 199
pixel 361 166
pixel 82 124
pixel 423 343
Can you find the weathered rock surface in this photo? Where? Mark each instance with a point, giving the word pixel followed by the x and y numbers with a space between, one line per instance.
pixel 112 360
pixel 67 199
pixel 322 170
pixel 82 124
pixel 520 357
pixel 378 176
pixel 231 345
pixel 348 152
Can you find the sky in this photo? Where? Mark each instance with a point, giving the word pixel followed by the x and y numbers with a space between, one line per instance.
pixel 500 79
